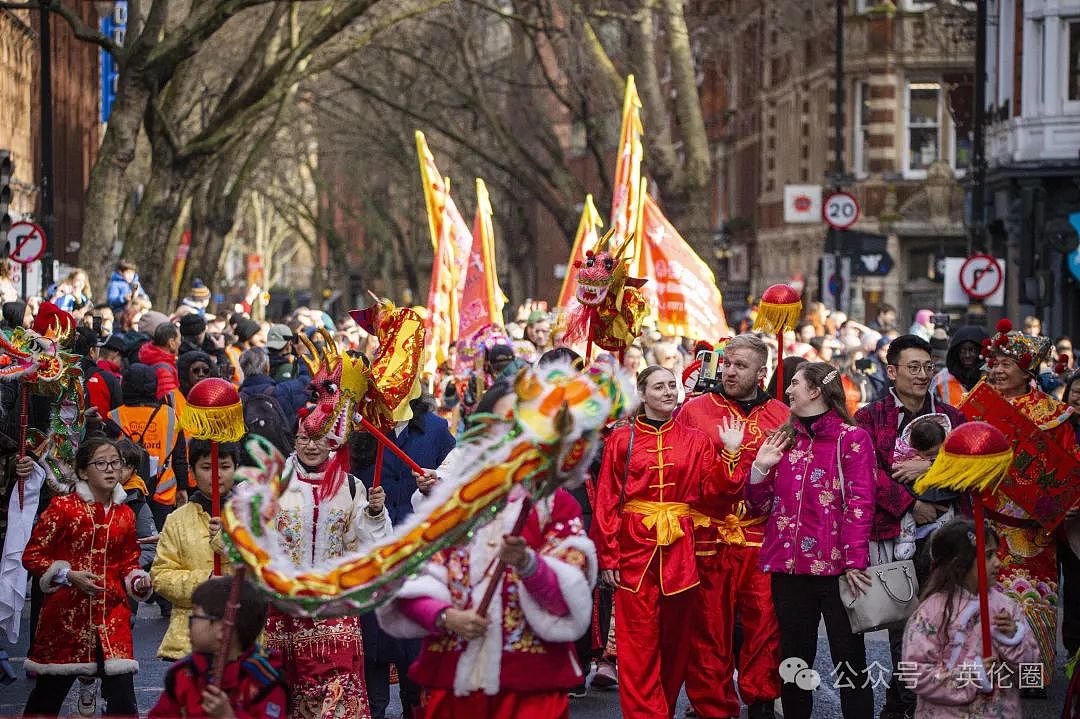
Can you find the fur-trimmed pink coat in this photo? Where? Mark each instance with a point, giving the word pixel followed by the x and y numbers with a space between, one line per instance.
pixel 943 664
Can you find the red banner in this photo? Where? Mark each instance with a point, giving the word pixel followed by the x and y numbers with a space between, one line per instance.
pixel 680 285
pixel 1044 478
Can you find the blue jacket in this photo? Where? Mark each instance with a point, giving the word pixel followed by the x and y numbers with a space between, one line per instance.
pixel 120 292
pixel 426 439
pixel 282 392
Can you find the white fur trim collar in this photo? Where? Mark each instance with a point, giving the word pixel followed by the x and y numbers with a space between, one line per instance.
pixel 83 490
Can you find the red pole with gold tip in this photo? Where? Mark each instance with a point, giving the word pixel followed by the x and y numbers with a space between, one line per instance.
pixel 778 311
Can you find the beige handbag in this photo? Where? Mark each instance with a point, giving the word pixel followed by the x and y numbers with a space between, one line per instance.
pixel 894 591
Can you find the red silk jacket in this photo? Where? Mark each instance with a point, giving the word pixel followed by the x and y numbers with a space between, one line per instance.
pixel 644 511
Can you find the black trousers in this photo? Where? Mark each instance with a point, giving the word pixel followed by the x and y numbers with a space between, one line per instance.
pixel 604 596
pixel 898 697
pixel 50 691
pixel 800 601
pixel 377 678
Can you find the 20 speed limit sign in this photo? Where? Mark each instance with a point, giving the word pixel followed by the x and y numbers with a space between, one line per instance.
pixel 840 210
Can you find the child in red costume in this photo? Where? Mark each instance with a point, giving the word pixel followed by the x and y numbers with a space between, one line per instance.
pixel 251 685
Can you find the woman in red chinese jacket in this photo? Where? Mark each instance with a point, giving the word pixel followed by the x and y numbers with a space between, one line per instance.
pixel 644 533
pixel 84 555
pixel 518 660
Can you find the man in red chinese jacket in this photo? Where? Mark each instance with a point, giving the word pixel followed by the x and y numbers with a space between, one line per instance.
pixel 728 546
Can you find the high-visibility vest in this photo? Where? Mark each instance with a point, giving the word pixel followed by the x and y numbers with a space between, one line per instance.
pixel 159 440
pixel 233 353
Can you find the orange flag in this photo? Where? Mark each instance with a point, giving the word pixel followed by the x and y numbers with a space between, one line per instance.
pixel 585 238
pixel 625 193
pixel 452 241
pixel 482 299
pixel 681 285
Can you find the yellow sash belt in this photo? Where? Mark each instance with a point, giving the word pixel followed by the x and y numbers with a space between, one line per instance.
pixel 665 516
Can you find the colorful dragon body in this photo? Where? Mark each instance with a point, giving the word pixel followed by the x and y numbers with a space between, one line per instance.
pixel 611 306
pixel 40 363
pixel 549 442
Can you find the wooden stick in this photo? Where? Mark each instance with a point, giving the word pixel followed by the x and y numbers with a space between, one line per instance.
pixel 780 365
pixel 984 582
pixel 228 626
pixel 384 441
pixel 24 423
pixel 215 498
pixel 500 567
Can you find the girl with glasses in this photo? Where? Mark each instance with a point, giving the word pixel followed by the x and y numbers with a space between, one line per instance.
pixel 84 555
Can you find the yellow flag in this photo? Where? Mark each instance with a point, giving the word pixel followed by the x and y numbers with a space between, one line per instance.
pixel 585 238
pixel 626 190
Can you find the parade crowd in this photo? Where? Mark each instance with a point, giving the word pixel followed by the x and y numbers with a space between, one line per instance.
pixel 719 526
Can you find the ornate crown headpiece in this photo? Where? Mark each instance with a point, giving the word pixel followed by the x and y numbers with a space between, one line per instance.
pixel 1027 351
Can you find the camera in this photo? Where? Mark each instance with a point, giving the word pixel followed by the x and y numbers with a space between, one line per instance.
pixel 940 321
pixel 709 374
pixel 864 365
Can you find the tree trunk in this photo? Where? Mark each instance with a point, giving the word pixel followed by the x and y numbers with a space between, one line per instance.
pixel 105 197
pixel 149 240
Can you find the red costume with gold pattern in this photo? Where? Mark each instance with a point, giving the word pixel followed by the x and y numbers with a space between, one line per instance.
pixel 643 527
pixel 731 581
pixel 78 534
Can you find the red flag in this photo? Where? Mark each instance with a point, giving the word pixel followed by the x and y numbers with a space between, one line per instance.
pixel 482 299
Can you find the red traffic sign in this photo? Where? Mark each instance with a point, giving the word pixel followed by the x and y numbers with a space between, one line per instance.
pixel 26 242
pixel 840 210
pixel 981 276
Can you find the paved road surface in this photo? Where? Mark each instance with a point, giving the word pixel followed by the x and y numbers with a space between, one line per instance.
pixel 597 705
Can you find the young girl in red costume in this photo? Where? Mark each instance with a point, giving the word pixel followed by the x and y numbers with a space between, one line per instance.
pixel 518 660
pixel 83 554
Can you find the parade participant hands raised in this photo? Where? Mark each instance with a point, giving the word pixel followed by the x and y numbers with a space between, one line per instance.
pixel 858 581
pixel 515 552
pixel 216 703
pixel 732 431
pixel 610 577
pixel 376 501
pixel 466 623
pixel 771 451
pixel 426 481
pixel 86 582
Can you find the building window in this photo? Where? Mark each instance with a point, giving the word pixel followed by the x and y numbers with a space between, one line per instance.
pixel 923 124
pixel 1074 60
pixel 861 146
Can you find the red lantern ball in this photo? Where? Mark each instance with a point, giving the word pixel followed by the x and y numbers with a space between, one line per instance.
pixel 976 438
pixel 213 392
pixel 780 295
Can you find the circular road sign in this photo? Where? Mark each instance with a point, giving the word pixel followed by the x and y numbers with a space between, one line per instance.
pixel 26 242
pixel 840 210
pixel 981 276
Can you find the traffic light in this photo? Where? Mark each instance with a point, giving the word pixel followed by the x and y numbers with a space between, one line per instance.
pixel 7 169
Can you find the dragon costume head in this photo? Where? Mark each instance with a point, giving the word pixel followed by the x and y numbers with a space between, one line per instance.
pixel 601 271
pixel 611 307
pixel 38 359
pixel 347 387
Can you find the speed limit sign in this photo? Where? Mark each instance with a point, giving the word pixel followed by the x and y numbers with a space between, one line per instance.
pixel 840 210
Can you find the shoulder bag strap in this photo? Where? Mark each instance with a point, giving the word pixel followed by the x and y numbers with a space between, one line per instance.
pixel 626 470
pixel 840 469
pixel 148 423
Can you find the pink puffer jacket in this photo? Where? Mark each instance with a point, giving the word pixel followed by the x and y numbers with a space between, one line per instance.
pixel 818 525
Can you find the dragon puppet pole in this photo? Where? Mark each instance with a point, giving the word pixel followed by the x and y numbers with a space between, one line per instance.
pixel 24 422
pixel 980 562
pixel 379 452
pixel 228 626
pixel 384 441
pixel 500 566
pixel 215 497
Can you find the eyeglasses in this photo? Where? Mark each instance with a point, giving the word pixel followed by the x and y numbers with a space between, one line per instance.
pixel 916 369
pixel 102 465
pixel 200 371
pixel 192 617
pixel 320 441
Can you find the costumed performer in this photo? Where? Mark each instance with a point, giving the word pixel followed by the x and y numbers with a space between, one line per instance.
pixel 653 470
pixel 1029 567
pixel 323 514
pixel 518 659
pixel 728 547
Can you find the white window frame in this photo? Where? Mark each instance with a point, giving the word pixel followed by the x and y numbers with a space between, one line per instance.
pixel 920 174
pixel 1070 106
pixel 860 160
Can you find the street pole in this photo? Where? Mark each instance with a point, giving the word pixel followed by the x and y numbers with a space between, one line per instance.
pixel 834 235
pixel 978 149
pixel 45 192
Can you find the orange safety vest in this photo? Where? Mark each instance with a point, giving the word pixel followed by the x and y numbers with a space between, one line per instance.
pixel 233 353
pixel 159 440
